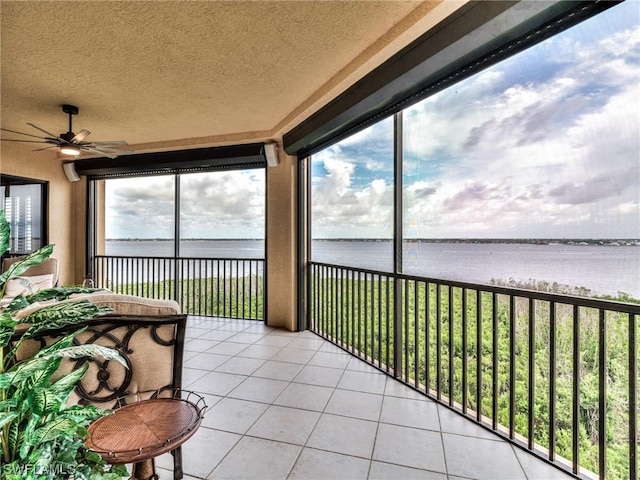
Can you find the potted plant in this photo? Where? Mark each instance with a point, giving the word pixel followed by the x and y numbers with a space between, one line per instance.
pixel 41 437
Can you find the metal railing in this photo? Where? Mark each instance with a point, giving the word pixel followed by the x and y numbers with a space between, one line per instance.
pixel 554 374
pixel 220 287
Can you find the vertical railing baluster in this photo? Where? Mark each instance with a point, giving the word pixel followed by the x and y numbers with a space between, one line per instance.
pixel 329 306
pixel 244 297
pixel 416 333
pixel 464 351
pixel 427 338
pixel 368 326
pixel 451 321
pixel 334 296
pixel 237 297
pixel 479 356
pixel 359 313
pixel 512 367
pixel 633 398
pixel 354 310
pixel 365 310
pixel 438 341
pixel 494 357
pixel 387 322
pixel 552 380
pixel 313 295
pixel 190 285
pixel 379 321
pixel 202 288
pixel 323 299
pixel 405 328
pixel 319 279
pixel 532 375
pixel 396 317
pixel 329 296
pixel 602 387
pixel 217 287
pixel 343 276
pixel 575 427
pixel 346 301
pixel 251 295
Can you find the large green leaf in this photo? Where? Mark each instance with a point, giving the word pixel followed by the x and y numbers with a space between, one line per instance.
pixel 30 260
pixel 83 414
pixel 63 387
pixel 49 431
pixel 59 293
pixel 26 370
pixel 13 437
pixel 7 328
pixel 6 417
pixel 63 342
pixel 43 361
pixel 9 403
pixel 88 350
pixel 17 304
pixel 44 401
pixel 60 315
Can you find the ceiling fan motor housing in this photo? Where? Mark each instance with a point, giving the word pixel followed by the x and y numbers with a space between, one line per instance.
pixel 67 136
pixel 70 109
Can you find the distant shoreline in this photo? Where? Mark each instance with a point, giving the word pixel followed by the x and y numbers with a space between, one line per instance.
pixel 610 242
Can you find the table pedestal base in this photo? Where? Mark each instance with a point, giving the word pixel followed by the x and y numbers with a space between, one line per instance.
pixel 144 470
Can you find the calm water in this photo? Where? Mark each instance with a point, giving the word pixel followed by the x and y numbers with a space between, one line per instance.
pixel 602 269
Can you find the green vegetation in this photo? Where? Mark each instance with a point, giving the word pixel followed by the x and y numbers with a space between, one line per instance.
pixel 358 313
pixel 41 437
pixel 236 298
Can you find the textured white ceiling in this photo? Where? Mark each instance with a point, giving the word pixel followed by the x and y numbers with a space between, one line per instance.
pixel 187 72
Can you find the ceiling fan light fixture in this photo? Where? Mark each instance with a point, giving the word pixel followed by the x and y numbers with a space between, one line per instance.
pixel 70 143
pixel 69 150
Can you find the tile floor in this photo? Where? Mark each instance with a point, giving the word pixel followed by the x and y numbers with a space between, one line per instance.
pixel 286 405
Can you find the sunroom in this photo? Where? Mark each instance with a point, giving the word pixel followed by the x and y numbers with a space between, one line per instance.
pixel 405 233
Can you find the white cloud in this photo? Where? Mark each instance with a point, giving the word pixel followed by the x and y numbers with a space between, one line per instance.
pixel 342 211
pixel 552 158
pixel 226 204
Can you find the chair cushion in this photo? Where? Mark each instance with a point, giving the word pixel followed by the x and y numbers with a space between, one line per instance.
pixel 26 286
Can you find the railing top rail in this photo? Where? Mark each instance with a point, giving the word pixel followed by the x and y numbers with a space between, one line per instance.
pixel 169 257
pixel 630 308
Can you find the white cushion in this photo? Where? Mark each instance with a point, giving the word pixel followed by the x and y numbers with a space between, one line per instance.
pixel 26 286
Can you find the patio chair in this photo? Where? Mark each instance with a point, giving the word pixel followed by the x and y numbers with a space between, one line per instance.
pixel 151 345
pixel 48 267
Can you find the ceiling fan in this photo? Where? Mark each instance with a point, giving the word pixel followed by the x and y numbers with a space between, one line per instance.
pixel 71 143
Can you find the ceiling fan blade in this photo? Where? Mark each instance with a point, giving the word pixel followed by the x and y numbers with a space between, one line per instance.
pixel 97 151
pixel 19 133
pixel 81 135
pixel 118 151
pixel 50 134
pixel 45 148
pixel 109 143
pixel 23 141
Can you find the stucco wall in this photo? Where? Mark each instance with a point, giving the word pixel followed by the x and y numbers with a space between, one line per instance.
pixel 66 213
pixel 18 159
pixel 281 243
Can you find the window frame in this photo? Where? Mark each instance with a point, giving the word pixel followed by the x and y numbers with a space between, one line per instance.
pixel 6 181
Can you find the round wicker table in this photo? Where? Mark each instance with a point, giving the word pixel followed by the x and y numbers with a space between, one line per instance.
pixel 139 432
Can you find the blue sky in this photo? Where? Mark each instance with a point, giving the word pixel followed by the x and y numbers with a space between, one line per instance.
pixel 545 144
